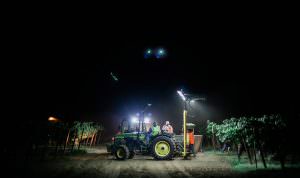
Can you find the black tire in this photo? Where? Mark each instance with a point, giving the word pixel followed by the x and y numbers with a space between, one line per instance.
pixel 122 152
pixel 164 144
pixel 179 149
pixel 131 154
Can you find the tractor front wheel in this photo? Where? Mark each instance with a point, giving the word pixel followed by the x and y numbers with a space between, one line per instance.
pixel 163 148
pixel 122 152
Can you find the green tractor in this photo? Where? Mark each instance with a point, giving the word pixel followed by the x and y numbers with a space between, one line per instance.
pixel 131 141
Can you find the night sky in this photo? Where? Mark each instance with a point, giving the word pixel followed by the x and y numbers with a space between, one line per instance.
pixel 64 71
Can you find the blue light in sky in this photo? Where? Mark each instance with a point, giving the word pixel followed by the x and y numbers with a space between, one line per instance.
pixel 148 53
pixel 160 53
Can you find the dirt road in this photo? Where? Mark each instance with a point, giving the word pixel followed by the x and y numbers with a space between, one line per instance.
pixel 101 164
pixel 97 163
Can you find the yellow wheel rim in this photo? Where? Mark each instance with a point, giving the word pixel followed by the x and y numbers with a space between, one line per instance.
pixel 162 148
pixel 120 153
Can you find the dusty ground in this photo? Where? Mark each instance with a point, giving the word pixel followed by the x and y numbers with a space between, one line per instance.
pixel 97 163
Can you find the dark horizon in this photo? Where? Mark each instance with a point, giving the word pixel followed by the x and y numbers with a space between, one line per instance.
pixel 240 72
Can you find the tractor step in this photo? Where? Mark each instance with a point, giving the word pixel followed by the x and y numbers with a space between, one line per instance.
pixel 143 148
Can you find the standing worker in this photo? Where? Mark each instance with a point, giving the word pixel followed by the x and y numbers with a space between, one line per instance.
pixel 191 139
pixel 167 128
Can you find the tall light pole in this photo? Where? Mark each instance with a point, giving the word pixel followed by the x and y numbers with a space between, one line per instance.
pixel 186 99
pixel 180 93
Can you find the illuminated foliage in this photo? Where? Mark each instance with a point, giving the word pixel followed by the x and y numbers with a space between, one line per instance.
pixel 62 135
pixel 264 133
pixel 87 129
pixel 232 129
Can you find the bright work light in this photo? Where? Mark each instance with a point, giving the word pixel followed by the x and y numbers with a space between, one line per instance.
pixel 134 120
pixel 147 120
pixel 181 95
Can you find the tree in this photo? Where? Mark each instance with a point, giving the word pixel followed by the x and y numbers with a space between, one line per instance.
pixel 266 133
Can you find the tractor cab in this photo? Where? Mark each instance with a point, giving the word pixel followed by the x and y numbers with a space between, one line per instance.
pixel 125 127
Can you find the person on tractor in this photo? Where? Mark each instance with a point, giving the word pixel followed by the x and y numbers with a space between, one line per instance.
pixel 153 131
pixel 167 128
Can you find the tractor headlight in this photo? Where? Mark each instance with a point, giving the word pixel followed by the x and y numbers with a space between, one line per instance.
pixel 134 120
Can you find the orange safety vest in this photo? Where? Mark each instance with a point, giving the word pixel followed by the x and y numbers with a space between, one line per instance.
pixel 169 129
pixel 191 138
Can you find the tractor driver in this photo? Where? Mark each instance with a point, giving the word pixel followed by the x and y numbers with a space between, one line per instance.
pixel 153 131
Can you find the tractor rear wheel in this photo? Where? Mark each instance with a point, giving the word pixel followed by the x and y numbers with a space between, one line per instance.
pixel 163 148
pixel 122 152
